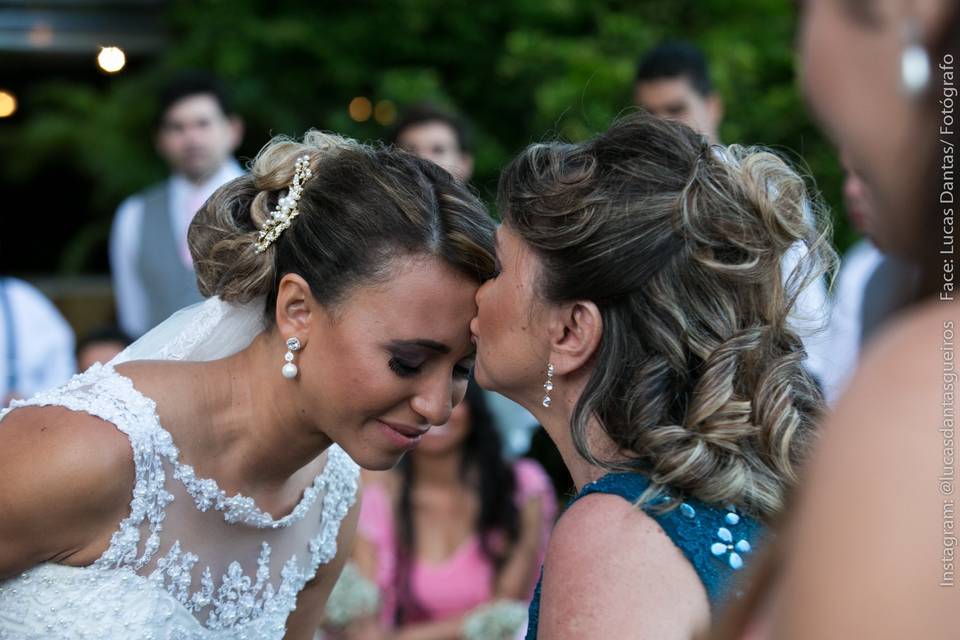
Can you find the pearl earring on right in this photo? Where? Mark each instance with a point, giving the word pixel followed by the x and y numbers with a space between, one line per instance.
pixel 290 370
pixel 548 385
pixel 914 62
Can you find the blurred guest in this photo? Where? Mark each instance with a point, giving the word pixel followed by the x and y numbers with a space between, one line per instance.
pixel 453 528
pixel 100 345
pixel 437 135
pixel 870 547
pixel 36 350
pixel 673 82
pixel 856 269
pixel 197 131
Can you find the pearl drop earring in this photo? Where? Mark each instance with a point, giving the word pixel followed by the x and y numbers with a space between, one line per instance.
pixel 914 62
pixel 289 369
pixel 548 385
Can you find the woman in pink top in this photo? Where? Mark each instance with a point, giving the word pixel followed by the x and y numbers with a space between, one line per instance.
pixel 452 528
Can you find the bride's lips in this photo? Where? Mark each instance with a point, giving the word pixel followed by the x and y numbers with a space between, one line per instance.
pixel 474 333
pixel 402 435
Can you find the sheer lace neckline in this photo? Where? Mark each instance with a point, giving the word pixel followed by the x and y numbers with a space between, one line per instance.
pixel 206 492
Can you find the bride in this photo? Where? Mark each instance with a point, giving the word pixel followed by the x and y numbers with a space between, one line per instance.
pixel 203 484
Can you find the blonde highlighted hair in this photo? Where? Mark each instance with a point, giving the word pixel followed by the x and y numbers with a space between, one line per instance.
pixel 699 376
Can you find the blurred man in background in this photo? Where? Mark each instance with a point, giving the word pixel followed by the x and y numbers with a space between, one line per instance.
pixel 673 82
pixel 197 133
pixel 436 135
pixel 36 343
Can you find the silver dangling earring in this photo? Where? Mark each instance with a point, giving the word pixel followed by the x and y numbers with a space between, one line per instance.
pixel 289 369
pixel 914 62
pixel 548 385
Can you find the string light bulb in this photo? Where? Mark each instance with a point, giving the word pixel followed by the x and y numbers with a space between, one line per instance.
pixel 111 59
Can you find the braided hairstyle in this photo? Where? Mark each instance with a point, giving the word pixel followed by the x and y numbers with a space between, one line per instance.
pixel 699 376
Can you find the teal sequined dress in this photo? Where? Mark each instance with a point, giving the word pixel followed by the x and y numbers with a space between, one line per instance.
pixel 716 540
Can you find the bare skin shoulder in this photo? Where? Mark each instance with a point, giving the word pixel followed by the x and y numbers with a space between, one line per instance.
pixel 66 481
pixel 603 552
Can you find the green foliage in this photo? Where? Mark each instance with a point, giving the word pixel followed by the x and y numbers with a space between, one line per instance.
pixel 519 70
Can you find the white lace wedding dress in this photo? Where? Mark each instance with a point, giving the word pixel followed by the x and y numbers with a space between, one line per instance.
pixel 189 562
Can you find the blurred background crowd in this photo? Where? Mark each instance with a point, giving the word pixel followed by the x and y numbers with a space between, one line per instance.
pixel 118 119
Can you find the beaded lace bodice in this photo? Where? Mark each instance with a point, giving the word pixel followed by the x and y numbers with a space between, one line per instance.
pixel 189 561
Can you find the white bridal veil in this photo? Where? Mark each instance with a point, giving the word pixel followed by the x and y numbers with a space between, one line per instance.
pixel 208 330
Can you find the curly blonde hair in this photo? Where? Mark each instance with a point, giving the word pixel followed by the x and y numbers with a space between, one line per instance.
pixel 699 376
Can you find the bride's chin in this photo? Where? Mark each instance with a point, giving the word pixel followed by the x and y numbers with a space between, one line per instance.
pixel 378 463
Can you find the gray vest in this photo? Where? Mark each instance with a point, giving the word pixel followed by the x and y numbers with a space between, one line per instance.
pixel 885 293
pixel 169 284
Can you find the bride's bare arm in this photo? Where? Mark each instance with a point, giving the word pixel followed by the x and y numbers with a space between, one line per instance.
pixel 66 480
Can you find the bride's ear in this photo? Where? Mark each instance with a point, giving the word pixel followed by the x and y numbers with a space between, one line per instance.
pixel 575 332
pixel 296 307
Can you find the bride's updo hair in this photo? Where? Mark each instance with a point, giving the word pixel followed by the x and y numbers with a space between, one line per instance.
pixel 362 207
pixel 698 377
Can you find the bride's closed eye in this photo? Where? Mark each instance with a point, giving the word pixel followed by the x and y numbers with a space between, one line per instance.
pixel 464 368
pixel 407 369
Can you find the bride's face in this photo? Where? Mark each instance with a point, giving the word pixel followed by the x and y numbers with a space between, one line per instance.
pixel 512 347
pixel 391 360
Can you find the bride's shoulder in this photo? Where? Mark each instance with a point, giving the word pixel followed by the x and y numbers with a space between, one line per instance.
pixel 62 474
pixel 56 434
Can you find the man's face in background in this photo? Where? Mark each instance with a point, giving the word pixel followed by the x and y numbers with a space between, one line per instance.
pixel 677 99
pixel 196 137
pixel 437 141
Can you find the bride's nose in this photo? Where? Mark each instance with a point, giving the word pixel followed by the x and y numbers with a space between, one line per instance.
pixel 434 400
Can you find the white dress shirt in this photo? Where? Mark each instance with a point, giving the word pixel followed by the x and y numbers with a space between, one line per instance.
pixel 846 321
pixel 810 315
pixel 185 199
pixel 36 343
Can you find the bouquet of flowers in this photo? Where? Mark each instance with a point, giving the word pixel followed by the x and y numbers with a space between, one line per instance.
pixel 500 620
pixel 354 596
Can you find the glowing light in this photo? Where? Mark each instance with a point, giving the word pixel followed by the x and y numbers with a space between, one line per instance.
pixel 111 59
pixel 385 113
pixel 8 104
pixel 360 109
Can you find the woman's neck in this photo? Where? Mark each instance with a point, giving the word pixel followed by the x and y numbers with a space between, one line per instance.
pixel 435 470
pixel 258 434
pixel 557 420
